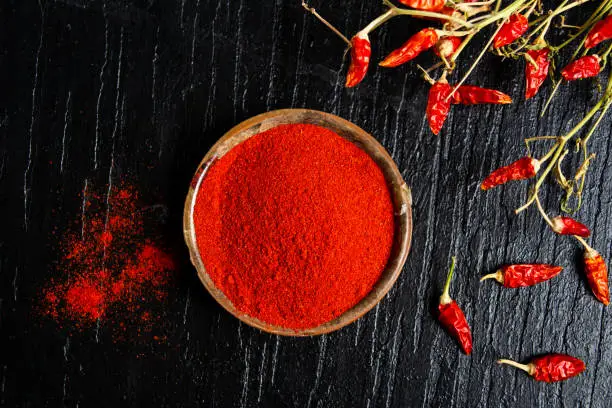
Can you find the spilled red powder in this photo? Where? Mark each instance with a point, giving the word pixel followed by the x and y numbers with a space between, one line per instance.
pixel 110 267
pixel 295 225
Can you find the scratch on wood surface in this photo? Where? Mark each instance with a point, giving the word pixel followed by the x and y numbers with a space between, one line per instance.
pixel 83 209
pixel 118 96
pixel 373 338
pixel 194 36
pixel 187 301
pixel 275 359
pixel 400 107
pixel 320 364
pixel 15 284
pixel 240 334
pixel 182 13
pixel 187 342
pixel 98 326
pixel 276 27
pixel 238 61
pixel 261 371
pixel 66 348
pixel 116 125
pixel 374 368
pixel 100 91
pixel 357 330
pixel 210 106
pixel 375 383
pixel 185 314
pixel 430 222
pixel 67 118
pixel 393 359
pixel 3 384
pixel 154 77
pixel 433 372
pixel 33 118
pixel 299 59
pixel 245 376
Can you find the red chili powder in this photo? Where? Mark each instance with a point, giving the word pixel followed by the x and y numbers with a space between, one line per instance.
pixel 110 267
pixel 295 225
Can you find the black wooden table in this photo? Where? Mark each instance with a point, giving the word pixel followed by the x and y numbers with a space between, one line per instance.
pixel 96 91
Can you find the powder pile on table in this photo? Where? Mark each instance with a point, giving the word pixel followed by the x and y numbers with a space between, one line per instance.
pixel 295 225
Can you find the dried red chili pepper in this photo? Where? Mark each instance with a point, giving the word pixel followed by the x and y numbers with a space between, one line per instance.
pixel 521 275
pixel 584 67
pixel 535 75
pixel 360 59
pixel 601 31
pixel 550 367
pixel 597 275
pixel 522 169
pixel 569 226
pixel 516 26
pixel 447 46
pixel 438 105
pixel 451 316
pixel 474 95
pixel 429 5
pixel 421 41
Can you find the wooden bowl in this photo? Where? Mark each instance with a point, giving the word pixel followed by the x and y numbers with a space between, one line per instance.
pixel 402 202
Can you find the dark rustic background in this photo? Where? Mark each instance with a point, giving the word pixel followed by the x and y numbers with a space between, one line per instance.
pixel 94 91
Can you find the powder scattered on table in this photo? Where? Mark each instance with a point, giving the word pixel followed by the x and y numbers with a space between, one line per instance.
pixel 295 225
pixel 111 268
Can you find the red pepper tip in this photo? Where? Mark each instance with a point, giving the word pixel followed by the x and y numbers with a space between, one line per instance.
pixel 387 63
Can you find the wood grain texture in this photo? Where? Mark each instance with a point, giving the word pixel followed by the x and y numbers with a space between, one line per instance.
pixel 95 92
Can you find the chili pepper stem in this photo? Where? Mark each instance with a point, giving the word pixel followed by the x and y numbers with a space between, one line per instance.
pixel 541 210
pixel 597 14
pixel 430 14
pixel 528 368
pixel 498 276
pixel 550 152
pixel 461 47
pixel 476 61
pixel 374 24
pixel 586 246
pixel 561 145
pixel 550 98
pixel 445 299
pixel 312 11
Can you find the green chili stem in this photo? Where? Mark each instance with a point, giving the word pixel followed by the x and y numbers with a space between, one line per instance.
pixel 550 152
pixel 469 71
pixel 374 24
pixel 544 215
pixel 503 14
pixel 597 122
pixel 562 142
pixel 420 13
pixel 445 299
pixel 604 56
pixel 550 98
pixel 584 243
pixel 462 46
pixel 603 8
pixel 325 22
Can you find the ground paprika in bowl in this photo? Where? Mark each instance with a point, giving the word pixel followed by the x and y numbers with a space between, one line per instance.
pixel 298 222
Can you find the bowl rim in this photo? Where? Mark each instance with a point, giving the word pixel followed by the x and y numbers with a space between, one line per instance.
pixel 400 192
